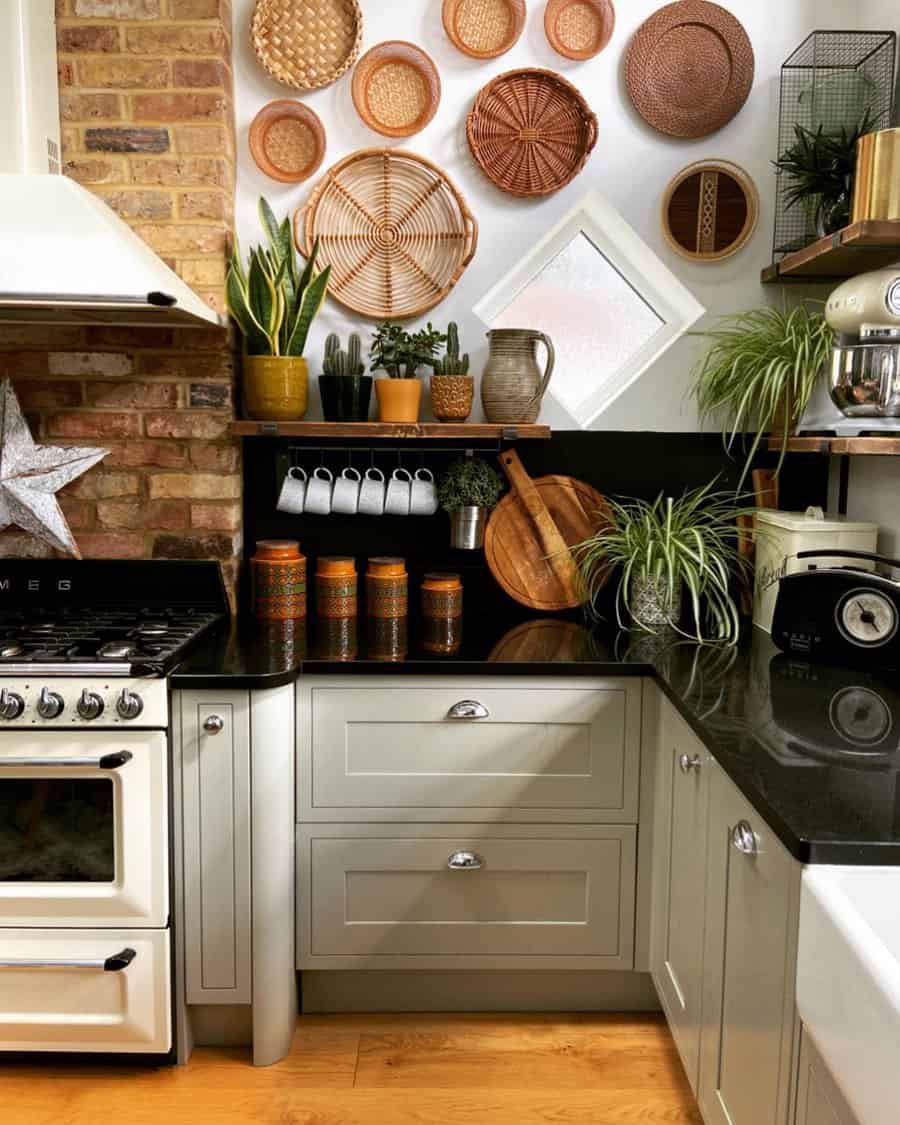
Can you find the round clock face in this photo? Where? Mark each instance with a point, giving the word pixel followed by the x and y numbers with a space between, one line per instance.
pixel 867 618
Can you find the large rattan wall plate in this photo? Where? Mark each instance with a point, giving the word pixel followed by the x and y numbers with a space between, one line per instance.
pixel 689 68
pixel 531 132
pixel 483 29
pixel 395 230
pixel 306 44
pixel 396 88
pixel 710 210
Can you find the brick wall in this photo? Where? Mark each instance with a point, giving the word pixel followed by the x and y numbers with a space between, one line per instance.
pixel 147 124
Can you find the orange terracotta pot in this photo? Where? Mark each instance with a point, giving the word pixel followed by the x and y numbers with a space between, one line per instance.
pixel 398 399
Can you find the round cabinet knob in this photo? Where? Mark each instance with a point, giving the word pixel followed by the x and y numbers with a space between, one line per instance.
pixel 50 704
pixel 129 704
pixel 687 763
pixel 11 705
pixel 465 861
pixel 744 838
pixel 213 724
pixel 89 705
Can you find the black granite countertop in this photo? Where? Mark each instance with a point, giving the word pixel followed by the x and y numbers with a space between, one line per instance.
pixel 815 749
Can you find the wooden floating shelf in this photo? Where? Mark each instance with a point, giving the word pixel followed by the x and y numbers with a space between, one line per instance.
pixel 860 446
pixel 868 245
pixel 392 431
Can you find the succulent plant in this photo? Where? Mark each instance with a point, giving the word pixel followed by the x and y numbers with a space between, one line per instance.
pixel 401 353
pixel 452 363
pixel 340 362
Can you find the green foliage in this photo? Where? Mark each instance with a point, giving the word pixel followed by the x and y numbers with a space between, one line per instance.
pixel 822 164
pixel 452 363
pixel 401 353
pixel 761 364
pixel 693 542
pixel 469 482
pixel 340 362
pixel 271 303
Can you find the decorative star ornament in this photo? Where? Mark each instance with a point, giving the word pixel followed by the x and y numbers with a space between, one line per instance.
pixel 31 475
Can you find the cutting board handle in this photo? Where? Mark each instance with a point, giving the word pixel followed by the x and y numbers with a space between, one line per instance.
pixel 556 550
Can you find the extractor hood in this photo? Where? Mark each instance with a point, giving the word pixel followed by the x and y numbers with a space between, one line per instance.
pixel 65 256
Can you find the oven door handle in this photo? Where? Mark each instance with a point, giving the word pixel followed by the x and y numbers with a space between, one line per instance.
pixel 107 762
pixel 114 964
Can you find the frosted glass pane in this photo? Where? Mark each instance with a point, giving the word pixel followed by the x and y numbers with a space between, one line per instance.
pixel 597 321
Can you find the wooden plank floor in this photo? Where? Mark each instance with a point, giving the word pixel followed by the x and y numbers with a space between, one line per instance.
pixel 386 1070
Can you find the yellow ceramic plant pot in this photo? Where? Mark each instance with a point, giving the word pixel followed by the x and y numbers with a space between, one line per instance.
pixel 276 388
pixel 398 399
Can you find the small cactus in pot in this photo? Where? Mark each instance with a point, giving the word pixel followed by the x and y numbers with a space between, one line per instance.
pixel 452 387
pixel 344 386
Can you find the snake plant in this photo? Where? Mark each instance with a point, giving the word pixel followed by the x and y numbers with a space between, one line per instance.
pixel 271 300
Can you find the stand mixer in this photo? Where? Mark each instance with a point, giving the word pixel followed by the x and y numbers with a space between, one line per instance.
pixel 864 380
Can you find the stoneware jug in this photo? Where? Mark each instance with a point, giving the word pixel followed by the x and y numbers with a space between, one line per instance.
pixel 512 385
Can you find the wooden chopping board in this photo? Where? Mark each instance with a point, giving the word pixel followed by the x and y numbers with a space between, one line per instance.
pixel 530 530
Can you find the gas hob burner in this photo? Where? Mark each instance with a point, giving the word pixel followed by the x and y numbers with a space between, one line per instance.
pixel 44 627
pixel 152 629
pixel 11 649
pixel 117 650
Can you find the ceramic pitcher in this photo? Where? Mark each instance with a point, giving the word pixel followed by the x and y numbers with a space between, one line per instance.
pixel 513 385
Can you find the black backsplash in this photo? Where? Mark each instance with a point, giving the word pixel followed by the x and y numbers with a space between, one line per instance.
pixel 616 463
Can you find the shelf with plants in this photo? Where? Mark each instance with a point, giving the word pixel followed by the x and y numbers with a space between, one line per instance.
pixel 855 249
pixel 391 431
pixel 874 446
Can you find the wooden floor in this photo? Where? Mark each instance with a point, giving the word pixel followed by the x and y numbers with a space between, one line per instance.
pixel 381 1070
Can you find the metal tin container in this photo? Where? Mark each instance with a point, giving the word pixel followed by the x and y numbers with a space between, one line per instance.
pixel 336 586
pixel 876 185
pixel 278 580
pixel 387 588
pixel 467 528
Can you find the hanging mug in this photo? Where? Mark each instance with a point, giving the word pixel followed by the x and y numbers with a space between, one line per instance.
pixel 371 493
pixel 319 492
pixel 423 499
pixel 293 492
pixel 396 502
pixel 345 498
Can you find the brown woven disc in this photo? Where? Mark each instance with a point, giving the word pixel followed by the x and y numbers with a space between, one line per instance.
pixel 709 210
pixel 689 68
pixel 306 44
pixel 531 132
pixel 287 141
pixel 395 230
pixel 483 29
pixel 579 29
pixel 396 89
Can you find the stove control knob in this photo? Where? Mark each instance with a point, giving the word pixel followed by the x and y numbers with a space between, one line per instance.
pixel 90 705
pixel 129 704
pixel 50 704
pixel 11 705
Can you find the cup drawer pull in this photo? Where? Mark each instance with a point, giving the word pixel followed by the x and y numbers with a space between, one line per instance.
pixel 113 964
pixel 465 861
pixel 468 709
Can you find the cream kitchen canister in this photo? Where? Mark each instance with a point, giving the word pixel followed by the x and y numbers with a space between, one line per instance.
pixel 513 386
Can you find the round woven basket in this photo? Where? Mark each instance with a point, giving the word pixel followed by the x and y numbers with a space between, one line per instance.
pixel 483 29
pixel 531 132
pixel 689 68
pixel 710 210
pixel 396 89
pixel 306 44
pixel 579 29
pixel 395 230
pixel 287 141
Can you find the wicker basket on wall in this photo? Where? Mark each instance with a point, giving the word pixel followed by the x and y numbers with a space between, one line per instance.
pixel 308 44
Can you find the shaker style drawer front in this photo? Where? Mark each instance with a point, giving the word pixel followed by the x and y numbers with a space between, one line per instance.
pixel 85 990
pixel 467 749
pixel 467 898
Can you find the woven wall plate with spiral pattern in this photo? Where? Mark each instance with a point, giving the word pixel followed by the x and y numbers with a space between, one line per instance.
pixel 709 210
pixel 395 230
pixel 287 141
pixel 689 68
pixel 531 132
pixel 579 29
pixel 306 44
pixel 396 88
pixel 483 29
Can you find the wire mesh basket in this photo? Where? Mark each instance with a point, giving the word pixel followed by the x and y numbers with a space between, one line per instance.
pixel 832 80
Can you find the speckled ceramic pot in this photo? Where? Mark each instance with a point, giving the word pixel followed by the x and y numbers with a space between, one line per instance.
pixel 451 397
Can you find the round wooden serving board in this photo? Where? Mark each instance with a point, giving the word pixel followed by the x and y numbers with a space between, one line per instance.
pixel 514 551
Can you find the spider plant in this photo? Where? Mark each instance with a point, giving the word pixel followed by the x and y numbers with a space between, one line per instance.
pixel 762 365
pixel 691 543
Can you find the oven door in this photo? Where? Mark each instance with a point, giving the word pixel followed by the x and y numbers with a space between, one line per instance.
pixel 83 829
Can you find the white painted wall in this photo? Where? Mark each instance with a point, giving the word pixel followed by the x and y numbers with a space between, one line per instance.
pixel 631 165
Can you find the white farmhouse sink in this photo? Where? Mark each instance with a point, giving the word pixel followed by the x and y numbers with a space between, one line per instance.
pixel 848 982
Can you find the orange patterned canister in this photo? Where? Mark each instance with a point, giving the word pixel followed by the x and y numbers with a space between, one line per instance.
pixel 387 588
pixel 336 586
pixel 442 634
pixel 278 580
pixel 442 596
pixel 337 638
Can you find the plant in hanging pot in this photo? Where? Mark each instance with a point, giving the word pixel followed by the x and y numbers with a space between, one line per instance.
pixel 274 304
pixel 345 388
pixel 468 491
pixel 400 354
pixel 759 374
pixel 452 387
pixel 664 550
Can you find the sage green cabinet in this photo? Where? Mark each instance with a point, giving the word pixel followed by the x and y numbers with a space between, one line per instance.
pixel 819 1101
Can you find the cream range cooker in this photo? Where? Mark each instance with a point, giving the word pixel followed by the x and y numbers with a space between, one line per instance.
pixel 85 648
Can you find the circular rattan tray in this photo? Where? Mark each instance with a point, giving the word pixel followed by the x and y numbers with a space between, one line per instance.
pixel 579 29
pixel 710 210
pixel 396 89
pixel 531 132
pixel 483 29
pixel 689 68
pixel 306 44
pixel 287 141
pixel 395 230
